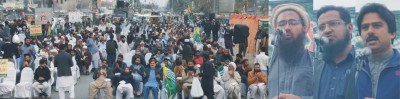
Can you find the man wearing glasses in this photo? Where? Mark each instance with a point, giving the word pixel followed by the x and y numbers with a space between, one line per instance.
pixel 334 73
pixel 291 64
pixel 379 77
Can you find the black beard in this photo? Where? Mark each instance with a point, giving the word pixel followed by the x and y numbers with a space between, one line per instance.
pixel 331 50
pixel 289 49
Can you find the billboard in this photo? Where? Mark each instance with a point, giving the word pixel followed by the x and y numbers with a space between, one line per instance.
pixel 44 15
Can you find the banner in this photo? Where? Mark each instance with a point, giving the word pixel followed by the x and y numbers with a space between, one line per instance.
pixel 35 30
pixel 75 17
pixel 264 25
pixel 43 16
pixel 3 67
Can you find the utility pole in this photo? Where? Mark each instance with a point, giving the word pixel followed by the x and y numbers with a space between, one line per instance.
pixel 214 6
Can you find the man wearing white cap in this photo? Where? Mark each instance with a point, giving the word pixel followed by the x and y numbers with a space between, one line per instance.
pixel 231 80
pixel 291 64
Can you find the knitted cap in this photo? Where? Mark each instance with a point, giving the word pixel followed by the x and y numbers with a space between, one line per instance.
pixel 293 7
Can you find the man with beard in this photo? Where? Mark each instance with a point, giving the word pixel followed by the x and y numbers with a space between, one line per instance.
pixel 94 50
pixel 379 77
pixel 187 77
pixel 334 75
pixel 257 81
pixel 101 81
pixel 28 48
pixel 291 64
pixel 123 45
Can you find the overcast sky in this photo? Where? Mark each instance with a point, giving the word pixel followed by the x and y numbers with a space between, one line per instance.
pixel 161 3
pixel 391 4
pixel 317 4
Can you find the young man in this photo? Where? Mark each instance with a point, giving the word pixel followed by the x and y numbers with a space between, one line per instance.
pixel 101 81
pixel 257 81
pixel 263 60
pixel 42 76
pixel 137 69
pixel 379 77
pixel 152 77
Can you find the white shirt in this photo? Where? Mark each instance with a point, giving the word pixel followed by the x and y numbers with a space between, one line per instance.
pixel 123 47
pixel 72 41
pixel 102 27
pixel 74 61
pixel 263 60
pixel 102 48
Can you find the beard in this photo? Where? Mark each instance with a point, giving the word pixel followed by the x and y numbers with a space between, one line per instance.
pixel 288 49
pixel 333 49
pixel 119 63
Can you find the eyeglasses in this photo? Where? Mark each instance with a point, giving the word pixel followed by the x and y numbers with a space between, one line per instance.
pixel 332 24
pixel 290 22
pixel 374 25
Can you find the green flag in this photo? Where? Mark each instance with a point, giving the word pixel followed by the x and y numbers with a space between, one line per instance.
pixel 197 35
pixel 169 83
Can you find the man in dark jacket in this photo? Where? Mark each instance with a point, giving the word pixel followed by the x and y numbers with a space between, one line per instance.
pixel 125 86
pixel 215 28
pixel 379 77
pixel 118 69
pixel 207 81
pixel 207 28
pixel 338 57
pixel 111 48
pixel 152 77
pixel 241 32
pixel 63 62
pixel 9 49
pixel 187 53
pixel 42 76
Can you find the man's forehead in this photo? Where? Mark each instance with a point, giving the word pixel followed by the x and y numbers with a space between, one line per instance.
pixel 289 14
pixel 329 16
pixel 372 18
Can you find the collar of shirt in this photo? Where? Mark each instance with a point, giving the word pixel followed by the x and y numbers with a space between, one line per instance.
pixel 350 58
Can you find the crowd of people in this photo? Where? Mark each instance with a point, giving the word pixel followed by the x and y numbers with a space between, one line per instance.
pixel 130 60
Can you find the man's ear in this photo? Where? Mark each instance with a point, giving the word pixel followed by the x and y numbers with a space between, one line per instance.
pixel 392 36
pixel 305 30
pixel 350 27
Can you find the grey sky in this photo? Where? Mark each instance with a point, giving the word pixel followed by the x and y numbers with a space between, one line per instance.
pixel 317 4
pixel 391 4
pixel 161 3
